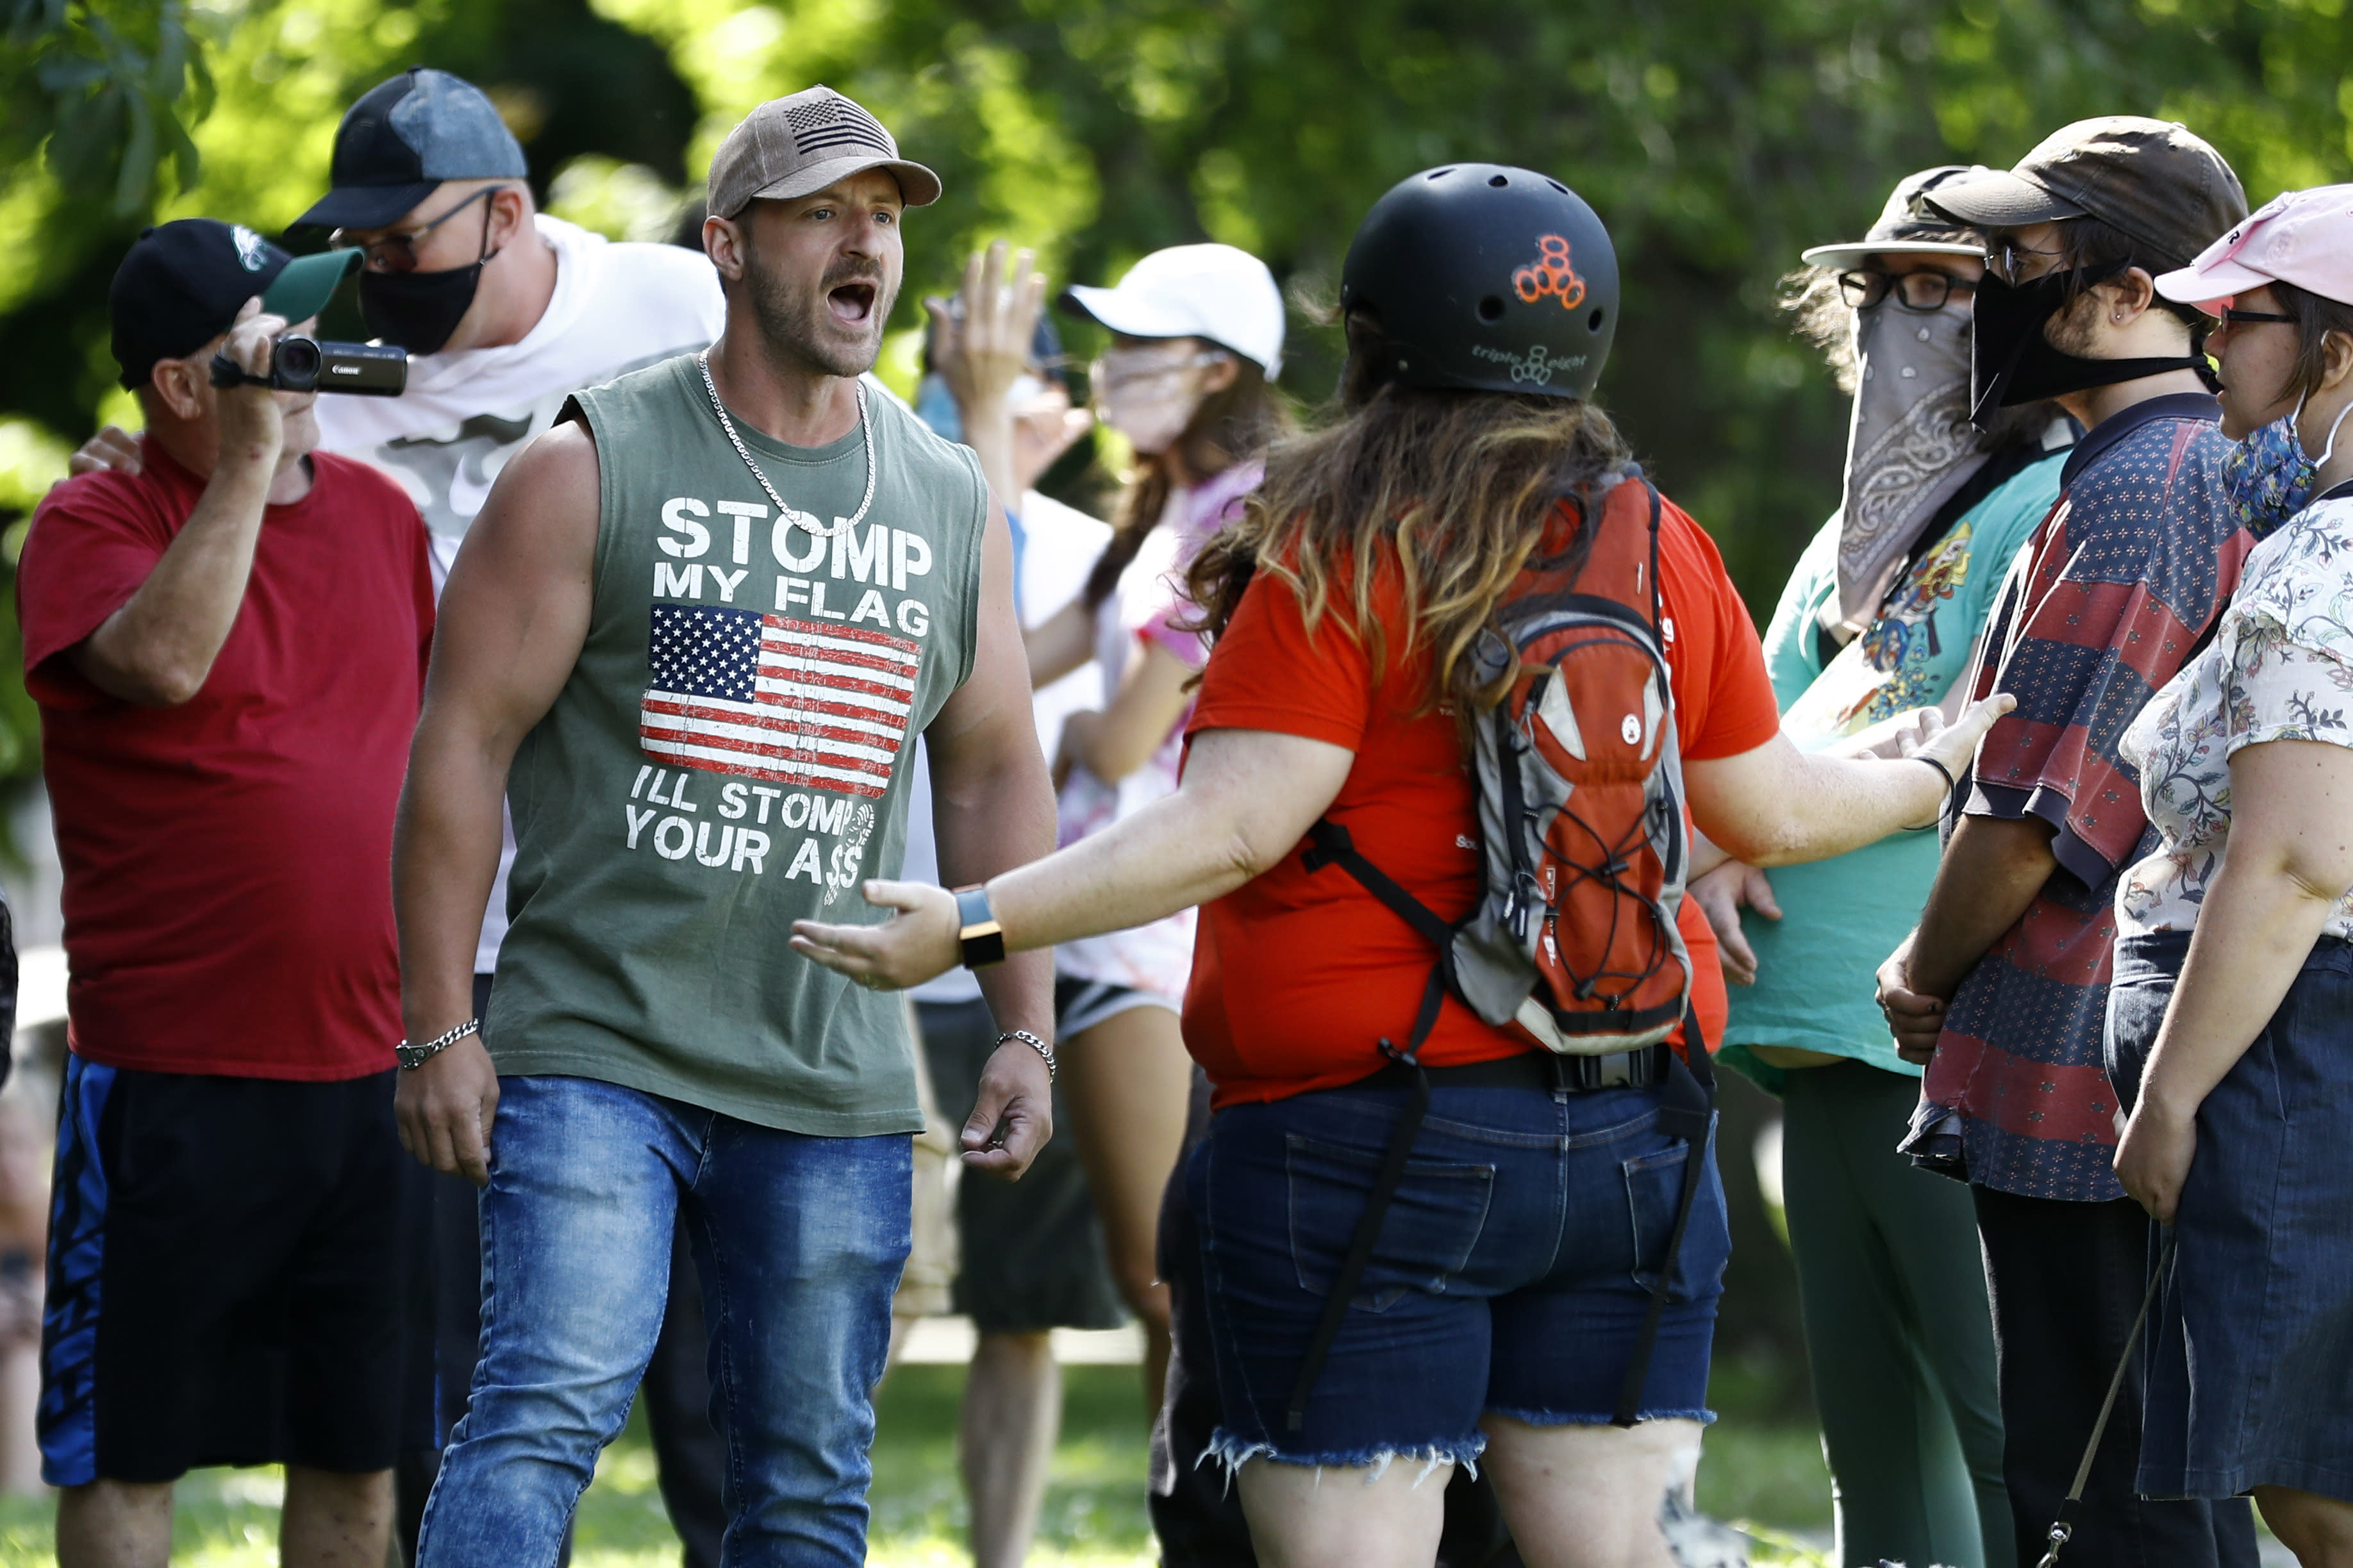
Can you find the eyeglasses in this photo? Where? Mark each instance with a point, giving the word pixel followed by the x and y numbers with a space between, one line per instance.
pixel 1120 367
pixel 2234 315
pixel 2004 260
pixel 1922 291
pixel 396 252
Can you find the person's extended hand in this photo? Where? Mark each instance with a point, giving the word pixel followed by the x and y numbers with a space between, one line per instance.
pixel 2154 1156
pixel 1914 1017
pixel 984 349
pixel 1956 744
pixel 1014 1115
pixel 113 447
pixel 444 1111
pixel 1903 735
pixel 1721 895
pixel 912 946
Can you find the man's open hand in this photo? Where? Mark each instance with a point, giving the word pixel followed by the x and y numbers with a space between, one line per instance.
pixel 113 447
pixel 1721 895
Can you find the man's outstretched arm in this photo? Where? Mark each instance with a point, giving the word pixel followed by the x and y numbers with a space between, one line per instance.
pixel 512 620
pixel 993 809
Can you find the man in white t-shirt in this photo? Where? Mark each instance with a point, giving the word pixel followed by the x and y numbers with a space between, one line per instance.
pixel 505 312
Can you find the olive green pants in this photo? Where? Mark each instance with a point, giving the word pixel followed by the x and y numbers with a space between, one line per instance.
pixel 1897 1328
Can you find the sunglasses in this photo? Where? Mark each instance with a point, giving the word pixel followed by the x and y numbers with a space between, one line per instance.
pixel 1121 367
pixel 2004 259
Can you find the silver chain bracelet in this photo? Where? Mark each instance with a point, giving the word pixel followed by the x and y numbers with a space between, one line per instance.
pixel 413 1056
pixel 1035 1044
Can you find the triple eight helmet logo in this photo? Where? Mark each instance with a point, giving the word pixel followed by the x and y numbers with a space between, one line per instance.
pixel 1550 273
pixel 1487 278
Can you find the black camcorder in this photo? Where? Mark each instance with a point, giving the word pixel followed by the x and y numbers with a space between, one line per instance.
pixel 306 365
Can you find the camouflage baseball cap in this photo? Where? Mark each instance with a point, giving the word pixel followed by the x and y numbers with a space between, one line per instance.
pixel 796 146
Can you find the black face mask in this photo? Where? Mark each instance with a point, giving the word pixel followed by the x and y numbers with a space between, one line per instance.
pixel 418 311
pixel 2011 361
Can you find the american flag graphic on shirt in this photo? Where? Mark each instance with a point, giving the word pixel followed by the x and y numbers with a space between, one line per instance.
pixel 799 702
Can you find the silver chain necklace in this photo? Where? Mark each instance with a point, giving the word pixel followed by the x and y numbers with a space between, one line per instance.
pixel 799 520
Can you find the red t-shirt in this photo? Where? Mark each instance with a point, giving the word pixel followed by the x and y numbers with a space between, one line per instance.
pixel 227 862
pixel 1297 975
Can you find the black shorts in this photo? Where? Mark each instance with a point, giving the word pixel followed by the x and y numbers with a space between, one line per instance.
pixel 224 1276
pixel 1033 1250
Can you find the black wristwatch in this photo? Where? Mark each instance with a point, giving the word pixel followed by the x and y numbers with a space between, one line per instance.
pixel 980 936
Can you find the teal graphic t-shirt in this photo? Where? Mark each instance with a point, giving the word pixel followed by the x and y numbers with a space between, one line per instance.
pixel 1841 918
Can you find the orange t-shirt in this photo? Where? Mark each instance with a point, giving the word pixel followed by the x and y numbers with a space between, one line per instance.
pixel 1298 974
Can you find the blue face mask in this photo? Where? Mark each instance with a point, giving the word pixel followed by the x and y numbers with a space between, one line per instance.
pixel 2268 477
pixel 935 406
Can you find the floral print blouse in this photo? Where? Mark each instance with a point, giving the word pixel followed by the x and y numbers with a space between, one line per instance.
pixel 2280 668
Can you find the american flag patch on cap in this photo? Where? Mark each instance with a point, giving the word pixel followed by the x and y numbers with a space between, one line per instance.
pixel 835 121
pixel 796 146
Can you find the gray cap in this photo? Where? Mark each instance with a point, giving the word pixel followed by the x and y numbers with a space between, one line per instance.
pixel 1907 223
pixel 2162 185
pixel 405 136
pixel 796 146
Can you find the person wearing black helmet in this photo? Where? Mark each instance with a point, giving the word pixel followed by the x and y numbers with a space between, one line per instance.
pixel 1539 1281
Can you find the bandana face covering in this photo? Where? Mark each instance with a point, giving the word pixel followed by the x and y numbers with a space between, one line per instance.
pixel 1909 447
pixel 2268 477
pixel 2012 363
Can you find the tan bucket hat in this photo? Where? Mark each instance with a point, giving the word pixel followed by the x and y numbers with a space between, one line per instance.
pixel 792 147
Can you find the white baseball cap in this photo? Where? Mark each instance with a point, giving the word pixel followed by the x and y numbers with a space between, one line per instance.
pixel 1211 292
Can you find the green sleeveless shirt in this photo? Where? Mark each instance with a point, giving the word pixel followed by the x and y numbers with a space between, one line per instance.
pixel 730 754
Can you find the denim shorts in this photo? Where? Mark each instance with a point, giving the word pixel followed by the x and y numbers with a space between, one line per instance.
pixel 1512 1276
pixel 2249 1356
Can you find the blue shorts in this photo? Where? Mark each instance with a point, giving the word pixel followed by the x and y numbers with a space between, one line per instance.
pixel 1512 1276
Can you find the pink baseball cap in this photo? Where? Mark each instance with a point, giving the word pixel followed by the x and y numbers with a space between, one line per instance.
pixel 2304 238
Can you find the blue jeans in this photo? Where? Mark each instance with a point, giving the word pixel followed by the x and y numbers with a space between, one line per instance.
pixel 799 1241
pixel 1512 1273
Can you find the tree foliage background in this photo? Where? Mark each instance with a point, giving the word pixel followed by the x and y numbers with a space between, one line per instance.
pixel 1717 138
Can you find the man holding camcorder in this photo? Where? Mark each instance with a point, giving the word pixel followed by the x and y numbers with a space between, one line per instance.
pixel 227 647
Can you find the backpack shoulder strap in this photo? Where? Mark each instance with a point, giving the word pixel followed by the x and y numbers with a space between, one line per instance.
pixel 1592 513
pixel 1328 843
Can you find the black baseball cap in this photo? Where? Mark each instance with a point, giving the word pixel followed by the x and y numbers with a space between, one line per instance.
pixel 405 136
pixel 2152 180
pixel 183 282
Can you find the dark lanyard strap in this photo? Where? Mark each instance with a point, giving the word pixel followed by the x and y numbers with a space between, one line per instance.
pixel 1376 1206
pixel 1686 1111
pixel 2061 1530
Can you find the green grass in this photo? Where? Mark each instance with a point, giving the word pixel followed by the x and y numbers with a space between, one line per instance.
pixel 1759 1469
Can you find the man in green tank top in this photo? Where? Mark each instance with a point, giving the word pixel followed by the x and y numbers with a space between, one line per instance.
pixel 691 637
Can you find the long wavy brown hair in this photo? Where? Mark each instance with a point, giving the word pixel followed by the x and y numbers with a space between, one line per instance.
pixel 1463 484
